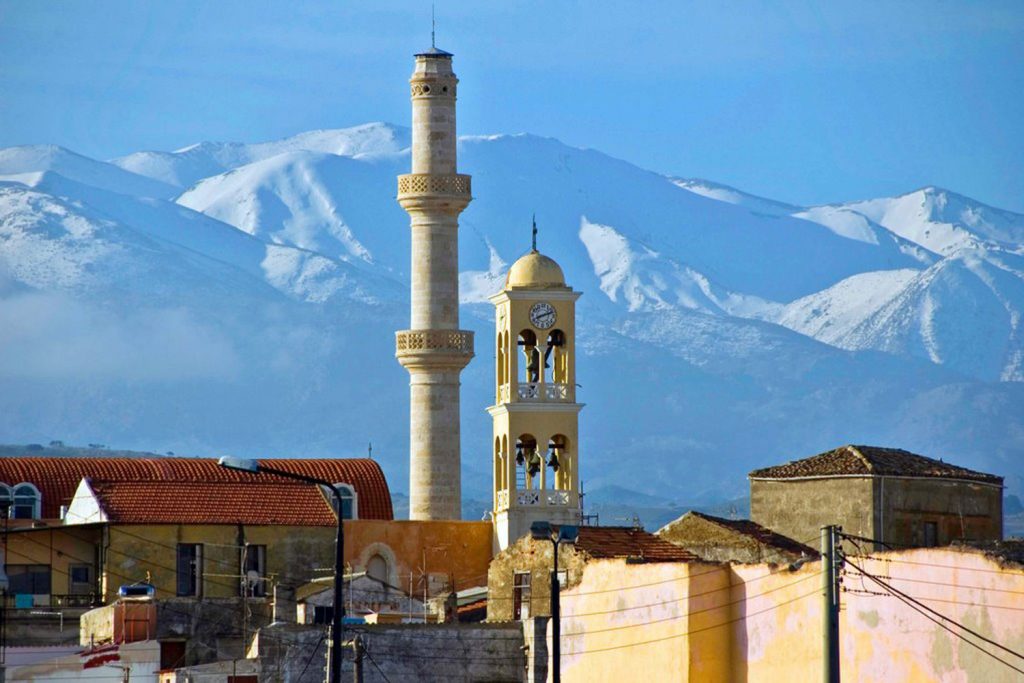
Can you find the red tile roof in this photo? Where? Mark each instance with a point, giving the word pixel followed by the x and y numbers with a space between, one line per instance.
pixel 871 460
pixel 614 541
pixel 57 478
pixel 175 502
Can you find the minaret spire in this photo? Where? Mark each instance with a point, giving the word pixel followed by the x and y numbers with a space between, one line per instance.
pixel 534 247
pixel 433 27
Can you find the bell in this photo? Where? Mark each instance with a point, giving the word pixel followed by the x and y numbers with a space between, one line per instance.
pixel 553 461
pixel 519 454
pixel 535 464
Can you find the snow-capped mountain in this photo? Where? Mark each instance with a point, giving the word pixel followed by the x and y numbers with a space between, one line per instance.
pixel 243 297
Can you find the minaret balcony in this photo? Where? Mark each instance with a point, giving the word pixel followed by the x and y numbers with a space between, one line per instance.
pixel 456 184
pixel 434 347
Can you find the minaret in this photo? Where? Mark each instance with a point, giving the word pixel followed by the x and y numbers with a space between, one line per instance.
pixel 535 413
pixel 435 350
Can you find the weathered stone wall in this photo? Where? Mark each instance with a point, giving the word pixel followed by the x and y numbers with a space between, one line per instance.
pixel 799 508
pixel 408 652
pixel 536 558
pixel 960 510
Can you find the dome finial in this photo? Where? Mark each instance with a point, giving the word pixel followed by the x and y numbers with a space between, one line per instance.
pixel 534 232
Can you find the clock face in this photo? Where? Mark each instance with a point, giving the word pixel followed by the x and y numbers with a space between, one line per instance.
pixel 542 315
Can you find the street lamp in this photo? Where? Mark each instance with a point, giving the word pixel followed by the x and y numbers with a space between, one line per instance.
pixel 254 467
pixel 541 531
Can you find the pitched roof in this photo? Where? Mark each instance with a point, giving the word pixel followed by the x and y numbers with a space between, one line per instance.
pixel 871 461
pixel 755 531
pixel 57 478
pixel 186 502
pixel 614 541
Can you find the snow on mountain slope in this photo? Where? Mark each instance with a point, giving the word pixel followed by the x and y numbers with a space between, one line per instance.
pixel 645 280
pixel 731 195
pixel 195 162
pixel 830 315
pixel 943 221
pixel 290 199
pixel 841 220
pixel 24 163
pixel 965 312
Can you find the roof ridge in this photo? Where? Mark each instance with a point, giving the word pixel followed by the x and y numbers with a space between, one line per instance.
pixel 863 458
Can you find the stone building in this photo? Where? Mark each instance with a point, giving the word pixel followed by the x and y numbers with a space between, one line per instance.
pixel 887 494
pixel 714 539
pixel 519 579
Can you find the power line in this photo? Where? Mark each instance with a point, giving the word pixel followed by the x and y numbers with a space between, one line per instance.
pixel 694 631
pixel 692 612
pixel 913 602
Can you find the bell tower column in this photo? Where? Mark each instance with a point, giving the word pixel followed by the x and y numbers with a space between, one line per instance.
pixel 434 350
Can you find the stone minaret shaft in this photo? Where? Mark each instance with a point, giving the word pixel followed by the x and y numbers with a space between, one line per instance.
pixel 435 350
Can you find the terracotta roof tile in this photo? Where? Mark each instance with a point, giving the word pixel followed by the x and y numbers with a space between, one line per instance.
pixel 871 460
pixel 186 502
pixel 613 541
pixel 57 478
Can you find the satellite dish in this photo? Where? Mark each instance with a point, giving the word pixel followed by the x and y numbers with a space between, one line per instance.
pixel 252 578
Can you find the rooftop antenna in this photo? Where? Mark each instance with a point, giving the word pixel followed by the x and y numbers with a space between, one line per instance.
pixel 535 232
pixel 433 26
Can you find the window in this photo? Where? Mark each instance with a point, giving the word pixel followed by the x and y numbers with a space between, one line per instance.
pixel 323 614
pixel 521 595
pixel 28 579
pixel 349 501
pixel 254 569
pixel 26 502
pixel 377 568
pixel 190 569
pixel 6 499
pixel 80 579
pixel 931 534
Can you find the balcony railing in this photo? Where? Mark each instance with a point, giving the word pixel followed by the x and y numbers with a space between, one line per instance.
pixel 536 392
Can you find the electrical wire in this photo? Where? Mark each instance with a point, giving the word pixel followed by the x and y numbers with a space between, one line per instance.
pixel 312 654
pixel 694 631
pixel 913 602
pixel 375 666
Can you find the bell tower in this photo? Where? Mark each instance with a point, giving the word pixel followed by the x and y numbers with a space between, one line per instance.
pixel 434 350
pixel 535 413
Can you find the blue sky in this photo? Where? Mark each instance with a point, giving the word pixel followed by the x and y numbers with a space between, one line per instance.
pixel 802 102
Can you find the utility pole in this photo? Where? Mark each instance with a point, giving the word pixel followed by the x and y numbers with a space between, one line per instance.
pixel 357 658
pixel 830 559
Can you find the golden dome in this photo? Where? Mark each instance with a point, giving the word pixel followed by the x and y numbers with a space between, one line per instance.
pixel 535 270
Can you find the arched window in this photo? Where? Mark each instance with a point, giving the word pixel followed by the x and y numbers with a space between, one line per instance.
pixel 349 501
pixel 26 502
pixel 528 462
pixel 377 568
pixel 6 500
pixel 556 357
pixel 531 356
pixel 504 461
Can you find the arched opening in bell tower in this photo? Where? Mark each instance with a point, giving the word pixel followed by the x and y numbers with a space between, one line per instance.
pixel 556 357
pixel 560 461
pixel 529 463
pixel 531 357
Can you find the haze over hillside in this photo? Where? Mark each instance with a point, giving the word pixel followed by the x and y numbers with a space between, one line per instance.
pixel 242 298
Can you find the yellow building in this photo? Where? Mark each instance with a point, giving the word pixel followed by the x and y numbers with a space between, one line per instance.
pixel 535 413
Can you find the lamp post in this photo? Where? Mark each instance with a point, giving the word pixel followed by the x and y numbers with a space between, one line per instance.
pixel 541 531
pixel 254 467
